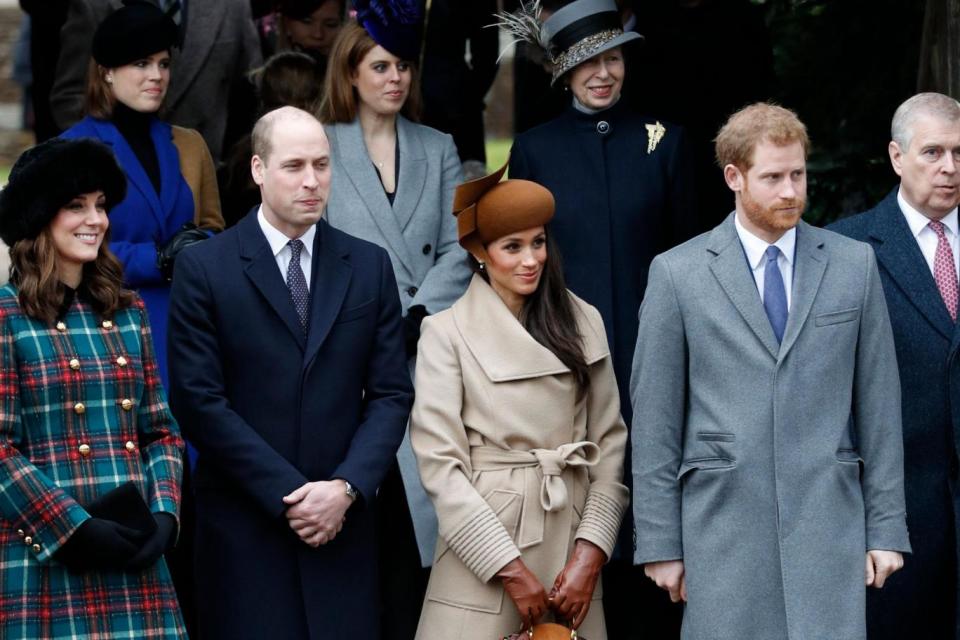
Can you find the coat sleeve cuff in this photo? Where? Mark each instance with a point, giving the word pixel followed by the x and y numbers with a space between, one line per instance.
pixel 483 544
pixel 889 538
pixel 602 515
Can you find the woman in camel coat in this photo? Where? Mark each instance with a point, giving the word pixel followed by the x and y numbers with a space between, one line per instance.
pixel 517 431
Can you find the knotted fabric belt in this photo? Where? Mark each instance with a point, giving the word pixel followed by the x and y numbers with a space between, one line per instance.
pixel 552 489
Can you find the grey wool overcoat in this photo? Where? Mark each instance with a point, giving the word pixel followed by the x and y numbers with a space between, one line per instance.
pixel 515 463
pixel 768 469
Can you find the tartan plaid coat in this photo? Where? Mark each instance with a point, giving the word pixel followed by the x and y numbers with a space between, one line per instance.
pixel 82 411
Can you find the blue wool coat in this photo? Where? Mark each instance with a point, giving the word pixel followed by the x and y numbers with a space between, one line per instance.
pixel 269 409
pixel 927 343
pixel 67 437
pixel 145 220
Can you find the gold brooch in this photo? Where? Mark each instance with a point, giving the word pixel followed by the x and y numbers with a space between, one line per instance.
pixel 655 134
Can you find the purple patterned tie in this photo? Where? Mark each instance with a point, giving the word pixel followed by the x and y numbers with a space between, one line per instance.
pixel 944 269
pixel 298 284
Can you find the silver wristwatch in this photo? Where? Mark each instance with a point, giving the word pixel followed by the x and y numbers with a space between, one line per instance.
pixel 351 491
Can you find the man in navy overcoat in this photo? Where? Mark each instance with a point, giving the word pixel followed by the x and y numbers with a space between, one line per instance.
pixel 919 275
pixel 288 373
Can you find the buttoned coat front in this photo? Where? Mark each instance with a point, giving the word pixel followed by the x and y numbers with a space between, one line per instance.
pixel 82 411
pixel 768 469
pixel 419 233
pixel 516 464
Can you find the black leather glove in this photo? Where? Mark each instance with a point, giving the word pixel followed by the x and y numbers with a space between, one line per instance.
pixel 411 327
pixel 188 234
pixel 157 544
pixel 100 544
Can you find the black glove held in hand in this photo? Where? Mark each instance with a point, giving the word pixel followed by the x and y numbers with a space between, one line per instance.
pixel 411 327
pixel 100 544
pixel 188 234
pixel 157 544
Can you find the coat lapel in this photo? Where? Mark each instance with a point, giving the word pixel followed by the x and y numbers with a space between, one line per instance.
pixel 132 167
pixel 500 344
pixel 169 161
pixel 204 23
pixel 351 154
pixel 413 172
pixel 261 268
pixel 732 271
pixel 328 286
pixel 900 256
pixel 810 262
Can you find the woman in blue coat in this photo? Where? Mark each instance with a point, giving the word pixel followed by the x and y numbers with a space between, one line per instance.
pixel 624 192
pixel 171 183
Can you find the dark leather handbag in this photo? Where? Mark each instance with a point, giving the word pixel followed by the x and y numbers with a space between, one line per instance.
pixel 125 506
pixel 546 631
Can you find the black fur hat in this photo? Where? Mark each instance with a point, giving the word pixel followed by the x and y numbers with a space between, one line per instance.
pixel 46 177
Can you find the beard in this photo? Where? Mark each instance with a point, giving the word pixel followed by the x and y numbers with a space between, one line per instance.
pixel 773 219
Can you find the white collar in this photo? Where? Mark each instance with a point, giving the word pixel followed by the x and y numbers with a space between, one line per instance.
pixel 278 240
pixel 756 247
pixel 918 222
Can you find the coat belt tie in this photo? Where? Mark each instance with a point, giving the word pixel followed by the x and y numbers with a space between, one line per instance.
pixel 552 489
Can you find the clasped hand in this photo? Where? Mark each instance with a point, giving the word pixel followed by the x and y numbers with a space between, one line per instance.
pixel 316 511
pixel 571 593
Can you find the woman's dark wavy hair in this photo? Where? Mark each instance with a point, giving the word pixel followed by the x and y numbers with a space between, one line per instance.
pixel 549 316
pixel 40 292
pixel 45 179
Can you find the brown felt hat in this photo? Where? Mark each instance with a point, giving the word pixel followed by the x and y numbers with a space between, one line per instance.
pixel 488 209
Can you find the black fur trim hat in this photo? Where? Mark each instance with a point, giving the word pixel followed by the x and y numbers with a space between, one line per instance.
pixel 133 32
pixel 48 176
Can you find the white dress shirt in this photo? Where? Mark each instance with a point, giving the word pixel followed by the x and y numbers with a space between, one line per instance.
pixel 927 237
pixel 756 248
pixel 281 250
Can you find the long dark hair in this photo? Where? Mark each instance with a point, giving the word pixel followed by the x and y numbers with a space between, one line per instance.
pixel 40 292
pixel 549 316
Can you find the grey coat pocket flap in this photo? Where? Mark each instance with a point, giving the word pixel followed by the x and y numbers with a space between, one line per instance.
pixel 848 455
pixel 836 317
pixel 715 437
pixel 704 463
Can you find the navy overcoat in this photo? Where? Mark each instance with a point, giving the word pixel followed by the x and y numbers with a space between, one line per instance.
pixel 269 409
pixel 927 343
pixel 624 192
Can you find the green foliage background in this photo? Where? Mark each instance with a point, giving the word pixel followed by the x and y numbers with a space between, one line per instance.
pixel 844 66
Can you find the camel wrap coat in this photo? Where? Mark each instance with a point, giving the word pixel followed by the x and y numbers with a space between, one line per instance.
pixel 515 464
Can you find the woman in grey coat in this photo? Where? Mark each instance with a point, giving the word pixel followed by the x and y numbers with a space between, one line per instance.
pixel 393 184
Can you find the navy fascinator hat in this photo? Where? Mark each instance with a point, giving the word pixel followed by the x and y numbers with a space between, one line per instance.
pixel 396 25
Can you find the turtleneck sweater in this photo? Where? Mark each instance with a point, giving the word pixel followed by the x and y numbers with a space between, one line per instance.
pixel 134 126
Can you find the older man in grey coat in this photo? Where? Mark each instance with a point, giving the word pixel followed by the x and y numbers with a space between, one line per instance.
pixel 768 456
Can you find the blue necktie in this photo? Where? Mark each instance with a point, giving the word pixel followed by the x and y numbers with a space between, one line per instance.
pixel 297 283
pixel 774 293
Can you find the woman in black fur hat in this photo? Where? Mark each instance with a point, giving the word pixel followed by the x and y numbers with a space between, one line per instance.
pixel 170 174
pixel 90 456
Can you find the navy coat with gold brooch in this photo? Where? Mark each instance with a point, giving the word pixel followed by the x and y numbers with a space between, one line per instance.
pixel 82 411
pixel 624 193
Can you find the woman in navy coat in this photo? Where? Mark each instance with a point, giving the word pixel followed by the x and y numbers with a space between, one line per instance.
pixel 170 175
pixel 624 193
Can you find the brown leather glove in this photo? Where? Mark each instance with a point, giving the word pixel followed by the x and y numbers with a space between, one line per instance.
pixel 525 590
pixel 573 588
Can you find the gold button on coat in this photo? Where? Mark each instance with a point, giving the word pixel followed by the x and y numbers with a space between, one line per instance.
pixel 74 364
pixel 21 533
pixel 36 548
pixel 84 449
pixel 28 540
pixel 107 324
pixel 80 408
pixel 130 446
pixel 127 404
pixel 122 361
pixel 61 326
